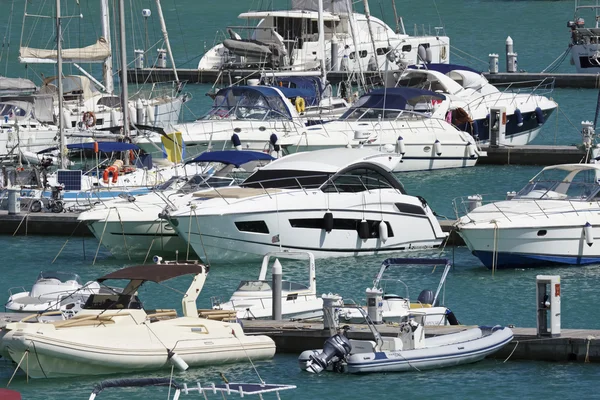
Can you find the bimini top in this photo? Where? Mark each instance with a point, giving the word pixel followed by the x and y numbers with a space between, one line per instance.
pixel 155 272
pixel 249 102
pixel 396 98
pixel 309 88
pixel 573 167
pixel 233 157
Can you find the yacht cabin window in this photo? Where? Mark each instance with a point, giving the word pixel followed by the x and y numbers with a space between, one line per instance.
pixel 559 184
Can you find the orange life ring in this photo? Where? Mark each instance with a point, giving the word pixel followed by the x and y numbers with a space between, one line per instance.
pixel 89 119
pixel 115 174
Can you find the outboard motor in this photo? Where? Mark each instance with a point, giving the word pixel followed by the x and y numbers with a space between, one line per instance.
pixel 426 297
pixel 336 348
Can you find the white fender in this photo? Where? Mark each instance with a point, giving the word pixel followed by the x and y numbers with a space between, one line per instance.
pixel 383 231
pixel 400 146
pixel 437 147
pixel 471 149
pixel 150 114
pixel 589 235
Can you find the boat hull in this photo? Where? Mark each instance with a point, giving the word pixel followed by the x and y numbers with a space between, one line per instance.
pixel 429 358
pixel 524 247
pixel 139 238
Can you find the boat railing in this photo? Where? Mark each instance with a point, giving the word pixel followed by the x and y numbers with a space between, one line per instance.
pixel 10 290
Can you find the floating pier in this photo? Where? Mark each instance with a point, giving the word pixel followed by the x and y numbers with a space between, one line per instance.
pixel 229 76
pixel 61 224
pixel 532 155
pixel 582 345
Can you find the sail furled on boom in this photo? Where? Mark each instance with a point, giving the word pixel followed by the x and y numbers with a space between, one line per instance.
pixel 95 53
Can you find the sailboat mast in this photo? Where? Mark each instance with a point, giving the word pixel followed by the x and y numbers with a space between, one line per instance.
pixel 108 69
pixel 163 27
pixel 321 43
pixel 368 15
pixel 61 117
pixel 124 92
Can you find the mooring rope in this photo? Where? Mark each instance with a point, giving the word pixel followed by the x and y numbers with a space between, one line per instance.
pixel 495 249
pixel 102 236
pixel 511 353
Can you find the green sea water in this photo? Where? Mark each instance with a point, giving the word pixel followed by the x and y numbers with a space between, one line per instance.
pixel 476 28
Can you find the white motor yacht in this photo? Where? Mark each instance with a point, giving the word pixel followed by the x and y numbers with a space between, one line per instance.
pixel 385 306
pixel 352 42
pixel 553 220
pixel 113 333
pixel 466 90
pixel 52 291
pixel 403 121
pixel 334 202
pixel 133 225
pixel 254 299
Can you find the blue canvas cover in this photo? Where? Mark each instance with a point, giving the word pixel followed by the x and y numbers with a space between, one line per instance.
pixel 233 157
pixel 391 99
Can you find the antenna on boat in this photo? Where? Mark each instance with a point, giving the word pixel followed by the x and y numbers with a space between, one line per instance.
pixel 61 118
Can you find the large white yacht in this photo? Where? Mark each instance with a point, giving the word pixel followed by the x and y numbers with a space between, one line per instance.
pixel 352 42
pixel 334 202
pixel 467 90
pixel 403 121
pixel 113 333
pixel 554 219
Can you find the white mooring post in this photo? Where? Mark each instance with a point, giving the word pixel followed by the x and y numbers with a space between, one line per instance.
pixel 548 305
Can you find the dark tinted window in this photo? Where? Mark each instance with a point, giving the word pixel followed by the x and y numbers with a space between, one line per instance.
pixel 252 226
pixel 345 224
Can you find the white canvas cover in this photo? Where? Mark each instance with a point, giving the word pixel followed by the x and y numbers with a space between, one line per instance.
pixel 16 85
pixel 332 6
pixel 96 52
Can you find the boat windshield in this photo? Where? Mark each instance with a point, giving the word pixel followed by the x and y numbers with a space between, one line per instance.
pixel 562 184
pixel 112 302
pixel 61 276
pixel 248 103
pixel 391 104
pixel 265 286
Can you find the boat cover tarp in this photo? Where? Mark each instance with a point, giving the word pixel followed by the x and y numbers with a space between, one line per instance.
pixel 16 85
pixel 332 6
pixel 444 68
pixel 106 147
pixel 232 157
pixel 393 98
pixel 251 97
pixel 134 382
pixel 155 273
pixel 97 52
pixel 307 87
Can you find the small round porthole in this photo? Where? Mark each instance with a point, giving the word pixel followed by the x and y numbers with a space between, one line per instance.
pixel 542 232
pixel 237 130
pixel 426 149
pixel 262 128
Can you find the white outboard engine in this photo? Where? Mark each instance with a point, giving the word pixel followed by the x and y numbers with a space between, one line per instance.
pixel 335 349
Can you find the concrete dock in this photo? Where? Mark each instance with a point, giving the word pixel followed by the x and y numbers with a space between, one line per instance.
pixel 581 345
pixel 61 224
pixel 229 76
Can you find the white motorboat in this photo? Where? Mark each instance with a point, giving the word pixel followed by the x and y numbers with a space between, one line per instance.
pixel 290 39
pixel 335 202
pixel 384 306
pixel 52 291
pixel 584 45
pixel 114 334
pixel 410 351
pixel 554 219
pixel 403 121
pixel 467 90
pixel 131 225
pixel 254 299
pixel 221 390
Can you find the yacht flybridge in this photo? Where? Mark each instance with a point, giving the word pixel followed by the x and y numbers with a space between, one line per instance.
pixel 289 39
pixel 113 333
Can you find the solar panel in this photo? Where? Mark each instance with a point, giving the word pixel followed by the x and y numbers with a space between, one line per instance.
pixel 71 179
